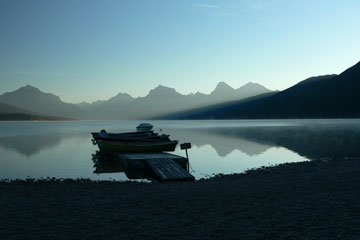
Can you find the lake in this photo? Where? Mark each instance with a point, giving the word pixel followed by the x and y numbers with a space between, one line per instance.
pixel 64 149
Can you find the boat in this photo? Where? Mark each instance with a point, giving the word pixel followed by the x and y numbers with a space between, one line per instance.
pixel 143 131
pixel 103 135
pixel 161 137
pixel 143 140
pixel 137 146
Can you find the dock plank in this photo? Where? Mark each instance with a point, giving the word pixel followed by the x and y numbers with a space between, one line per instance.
pixel 168 170
pixel 133 156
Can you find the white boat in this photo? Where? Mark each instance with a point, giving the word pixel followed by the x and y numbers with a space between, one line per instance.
pixel 144 140
pixel 144 127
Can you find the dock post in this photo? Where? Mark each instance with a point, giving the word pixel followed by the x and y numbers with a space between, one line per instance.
pixel 186 146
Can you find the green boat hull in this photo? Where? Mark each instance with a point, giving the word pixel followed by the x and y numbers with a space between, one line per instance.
pixel 168 146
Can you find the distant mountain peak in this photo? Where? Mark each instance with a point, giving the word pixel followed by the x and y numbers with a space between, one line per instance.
pixel 162 87
pixel 199 93
pixel 256 87
pixel 222 88
pixel 251 84
pixel 223 85
pixel 29 88
pixel 121 97
pixel 29 91
pixel 162 90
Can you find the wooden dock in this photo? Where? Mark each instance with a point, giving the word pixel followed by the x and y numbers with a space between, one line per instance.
pixel 165 166
pixel 168 170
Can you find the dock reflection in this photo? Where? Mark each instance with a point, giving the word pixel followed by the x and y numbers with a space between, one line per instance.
pixel 109 162
pixel 149 166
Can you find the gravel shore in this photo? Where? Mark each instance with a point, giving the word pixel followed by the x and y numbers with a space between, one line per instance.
pixel 308 200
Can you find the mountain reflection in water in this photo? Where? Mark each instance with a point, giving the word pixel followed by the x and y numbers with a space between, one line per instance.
pixel 29 145
pixel 309 140
pixel 65 148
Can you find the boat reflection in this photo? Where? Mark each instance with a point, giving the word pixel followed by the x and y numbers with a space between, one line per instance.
pixel 105 163
pixel 311 141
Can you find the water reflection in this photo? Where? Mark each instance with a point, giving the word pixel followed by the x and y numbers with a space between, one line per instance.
pixel 308 141
pixel 105 162
pixel 222 143
pixel 63 149
pixel 311 141
pixel 31 144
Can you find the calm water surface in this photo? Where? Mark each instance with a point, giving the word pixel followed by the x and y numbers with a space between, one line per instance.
pixel 64 149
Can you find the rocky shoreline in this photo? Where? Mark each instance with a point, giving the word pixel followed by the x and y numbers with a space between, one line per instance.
pixel 307 200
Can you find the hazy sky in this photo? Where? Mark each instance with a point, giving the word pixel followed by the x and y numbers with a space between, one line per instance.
pixel 90 50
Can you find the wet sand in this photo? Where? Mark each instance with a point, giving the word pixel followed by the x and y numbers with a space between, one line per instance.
pixel 310 200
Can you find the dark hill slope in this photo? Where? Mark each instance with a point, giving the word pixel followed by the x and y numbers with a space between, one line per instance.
pixel 8 109
pixel 208 111
pixel 331 96
pixel 11 113
pixel 29 117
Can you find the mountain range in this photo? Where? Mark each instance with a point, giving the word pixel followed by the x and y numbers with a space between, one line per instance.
pixel 160 100
pixel 329 96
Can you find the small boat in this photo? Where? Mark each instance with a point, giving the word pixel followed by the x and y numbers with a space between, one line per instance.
pixel 143 131
pixel 138 146
pixel 143 140
pixel 162 137
pixel 103 135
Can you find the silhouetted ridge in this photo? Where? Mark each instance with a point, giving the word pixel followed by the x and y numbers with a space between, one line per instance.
pixel 329 96
pixel 160 100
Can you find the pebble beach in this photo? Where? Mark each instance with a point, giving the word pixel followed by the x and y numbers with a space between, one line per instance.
pixel 308 200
